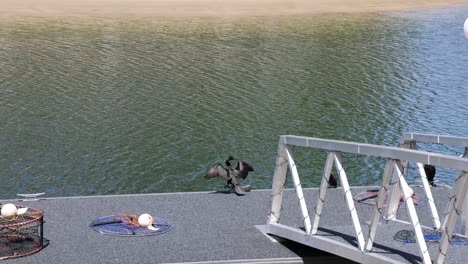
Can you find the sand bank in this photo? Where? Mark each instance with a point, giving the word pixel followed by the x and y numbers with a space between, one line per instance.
pixel 154 8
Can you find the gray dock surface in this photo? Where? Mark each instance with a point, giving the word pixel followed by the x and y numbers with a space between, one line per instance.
pixel 214 227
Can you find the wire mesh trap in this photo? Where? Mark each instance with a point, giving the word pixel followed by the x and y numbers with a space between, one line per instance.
pixel 21 235
pixel 127 225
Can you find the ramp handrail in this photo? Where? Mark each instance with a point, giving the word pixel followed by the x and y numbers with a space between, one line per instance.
pixel 394 168
pixel 436 139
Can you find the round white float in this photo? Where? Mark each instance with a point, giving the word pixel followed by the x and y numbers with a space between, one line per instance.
pixel 9 210
pixel 145 220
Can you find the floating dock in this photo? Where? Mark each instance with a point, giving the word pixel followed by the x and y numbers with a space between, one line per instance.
pixel 218 227
pixel 403 224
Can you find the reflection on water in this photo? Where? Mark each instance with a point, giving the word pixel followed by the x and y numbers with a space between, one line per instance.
pixel 119 106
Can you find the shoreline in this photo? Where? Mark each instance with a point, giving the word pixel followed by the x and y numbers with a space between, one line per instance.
pixel 210 8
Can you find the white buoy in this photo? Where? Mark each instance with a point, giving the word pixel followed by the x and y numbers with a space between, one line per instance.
pixel 465 28
pixel 8 210
pixel 145 220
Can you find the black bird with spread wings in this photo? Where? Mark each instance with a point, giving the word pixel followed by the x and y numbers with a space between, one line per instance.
pixel 230 174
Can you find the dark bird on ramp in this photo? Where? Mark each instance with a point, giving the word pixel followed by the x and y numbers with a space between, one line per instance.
pixel 332 181
pixel 430 173
pixel 230 174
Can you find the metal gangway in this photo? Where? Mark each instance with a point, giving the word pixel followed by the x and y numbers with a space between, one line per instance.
pixel 396 163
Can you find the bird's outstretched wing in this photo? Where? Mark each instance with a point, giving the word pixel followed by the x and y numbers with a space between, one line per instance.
pixel 243 168
pixel 217 171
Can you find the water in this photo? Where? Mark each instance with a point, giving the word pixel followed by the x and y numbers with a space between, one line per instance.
pixel 113 106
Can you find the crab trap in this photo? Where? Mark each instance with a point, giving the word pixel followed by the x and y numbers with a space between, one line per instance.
pixel 21 234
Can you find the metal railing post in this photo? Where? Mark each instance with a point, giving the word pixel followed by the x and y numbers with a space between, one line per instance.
pixel 464 216
pixel 323 190
pixel 411 144
pixel 279 178
pixel 408 197
pixel 349 201
pixel 299 192
pixel 374 222
pixel 430 198
pixel 456 203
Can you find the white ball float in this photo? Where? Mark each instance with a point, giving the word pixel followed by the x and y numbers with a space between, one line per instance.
pixel 145 220
pixel 9 210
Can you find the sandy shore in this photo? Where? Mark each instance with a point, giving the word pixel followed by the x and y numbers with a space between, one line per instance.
pixel 153 8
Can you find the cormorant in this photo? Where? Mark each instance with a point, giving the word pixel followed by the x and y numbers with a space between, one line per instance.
pixel 332 181
pixel 430 173
pixel 231 175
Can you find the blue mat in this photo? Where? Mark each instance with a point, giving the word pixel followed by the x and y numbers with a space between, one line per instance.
pixel 127 225
pixel 431 236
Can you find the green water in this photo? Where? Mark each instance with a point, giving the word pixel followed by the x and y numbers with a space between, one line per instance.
pixel 110 106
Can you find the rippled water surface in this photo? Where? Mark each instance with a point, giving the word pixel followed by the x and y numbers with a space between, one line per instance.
pixel 135 106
